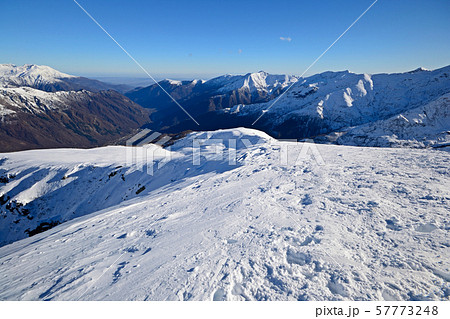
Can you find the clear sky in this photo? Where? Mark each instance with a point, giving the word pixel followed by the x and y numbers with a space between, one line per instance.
pixel 203 38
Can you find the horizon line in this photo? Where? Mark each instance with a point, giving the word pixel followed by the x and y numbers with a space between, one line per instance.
pixel 208 76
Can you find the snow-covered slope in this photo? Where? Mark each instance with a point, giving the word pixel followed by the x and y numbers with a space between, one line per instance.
pixel 424 126
pixel 45 78
pixel 32 100
pixel 29 74
pixel 39 186
pixel 274 225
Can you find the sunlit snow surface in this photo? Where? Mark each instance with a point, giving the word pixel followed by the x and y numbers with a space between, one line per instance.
pixel 369 224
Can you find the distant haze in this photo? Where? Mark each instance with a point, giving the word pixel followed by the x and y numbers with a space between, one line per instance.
pixel 136 81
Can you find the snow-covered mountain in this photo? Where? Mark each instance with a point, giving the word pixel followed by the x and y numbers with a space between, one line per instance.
pixel 43 108
pixel 45 78
pixel 334 101
pixel 206 97
pixel 252 82
pixel 251 219
pixel 329 107
pixel 322 106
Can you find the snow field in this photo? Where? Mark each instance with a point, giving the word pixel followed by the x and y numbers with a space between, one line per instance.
pixel 364 224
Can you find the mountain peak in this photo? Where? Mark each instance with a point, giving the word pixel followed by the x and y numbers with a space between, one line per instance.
pixel 31 71
pixel 172 82
pixel 420 69
pixel 45 78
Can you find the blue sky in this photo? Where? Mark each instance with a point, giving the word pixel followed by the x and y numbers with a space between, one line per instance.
pixel 205 38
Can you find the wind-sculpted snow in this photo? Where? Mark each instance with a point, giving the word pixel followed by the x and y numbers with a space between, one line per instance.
pixel 348 223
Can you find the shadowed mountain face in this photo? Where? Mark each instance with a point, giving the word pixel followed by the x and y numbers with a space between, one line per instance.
pixel 81 83
pixel 205 99
pixel 32 118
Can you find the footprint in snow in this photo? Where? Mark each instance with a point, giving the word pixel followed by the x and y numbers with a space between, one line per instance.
pixel 307 200
pixel 298 258
pixel 219 295
pixel 117 274
pixel 131 249
pixel 310 240
pixel 393 224
pixel 150 233
pixel 126 235
pixel 318 228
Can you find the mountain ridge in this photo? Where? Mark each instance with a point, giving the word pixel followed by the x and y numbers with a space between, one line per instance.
pixel 199 96
pixel 30 118
pixel 47 79
pixel 314 107
pixel 323 106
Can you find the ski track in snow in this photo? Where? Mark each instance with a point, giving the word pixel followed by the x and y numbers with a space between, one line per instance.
pixel 370 224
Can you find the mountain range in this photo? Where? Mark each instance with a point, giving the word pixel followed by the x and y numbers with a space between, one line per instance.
pixel 202 98
pixel 47 79
pixel 324 107
pixel 41 107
